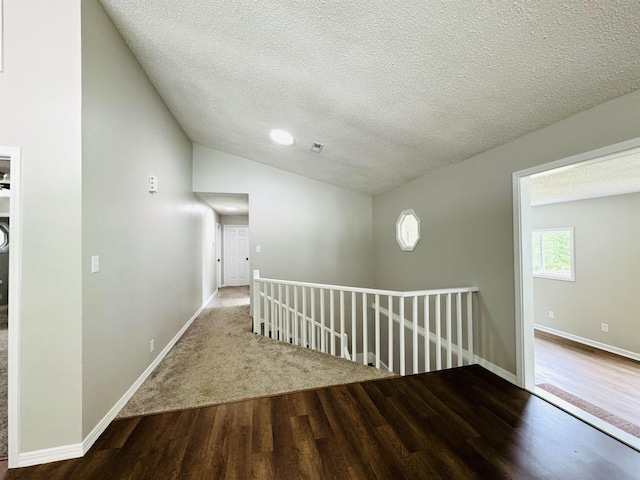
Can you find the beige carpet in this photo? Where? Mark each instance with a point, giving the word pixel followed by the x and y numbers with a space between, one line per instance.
pixel 219 360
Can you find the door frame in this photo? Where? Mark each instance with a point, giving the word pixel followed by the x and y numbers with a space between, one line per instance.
pixel 219 279
pixel 525 359
pixel 15 295
pixel 224 227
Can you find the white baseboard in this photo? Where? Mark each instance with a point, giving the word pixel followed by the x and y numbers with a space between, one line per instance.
pixel 48 455
pixel 78 450
pixel 499 371
pixel 591 343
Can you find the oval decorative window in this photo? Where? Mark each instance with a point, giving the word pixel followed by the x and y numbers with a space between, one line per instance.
pixel 408 230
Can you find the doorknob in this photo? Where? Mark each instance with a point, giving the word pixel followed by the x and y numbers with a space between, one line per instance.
pixel 247 258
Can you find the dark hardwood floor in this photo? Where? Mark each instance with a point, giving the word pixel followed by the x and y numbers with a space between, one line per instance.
pixel 459 423
pixel 609 381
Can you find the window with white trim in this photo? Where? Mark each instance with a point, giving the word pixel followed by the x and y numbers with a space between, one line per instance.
pixel 552 253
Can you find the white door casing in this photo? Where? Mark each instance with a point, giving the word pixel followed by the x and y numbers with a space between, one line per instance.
pixel 236 255
pixel 219 282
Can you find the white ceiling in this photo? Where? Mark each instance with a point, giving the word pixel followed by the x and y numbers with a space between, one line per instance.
pixel 611 176
pixel 227 203
pixel 393 89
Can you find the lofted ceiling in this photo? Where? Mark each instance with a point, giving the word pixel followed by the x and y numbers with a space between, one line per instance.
pixel 394 90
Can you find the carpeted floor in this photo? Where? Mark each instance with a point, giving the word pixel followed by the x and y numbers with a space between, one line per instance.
pixel 594 410
pixel 218 360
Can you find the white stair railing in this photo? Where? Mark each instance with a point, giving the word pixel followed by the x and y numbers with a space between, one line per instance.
pixel 409 332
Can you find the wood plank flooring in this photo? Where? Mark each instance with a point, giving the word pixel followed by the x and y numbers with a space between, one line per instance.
pixel 459 423
pixel 609 381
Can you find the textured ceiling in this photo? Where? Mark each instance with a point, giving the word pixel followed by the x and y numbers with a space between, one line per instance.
pixel 611 176
pixel 393 89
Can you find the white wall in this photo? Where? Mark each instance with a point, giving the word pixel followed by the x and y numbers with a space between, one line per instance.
pixel 151 246
pixel 40 106
pixel 308 230
pixel 466 217
pixel 607 256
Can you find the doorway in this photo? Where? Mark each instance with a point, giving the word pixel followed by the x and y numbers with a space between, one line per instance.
pixel 12 155
pixel 219 254
pixel 236 255
pixel 524 270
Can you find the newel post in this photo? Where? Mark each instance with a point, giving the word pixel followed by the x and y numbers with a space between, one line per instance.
pixel 257 317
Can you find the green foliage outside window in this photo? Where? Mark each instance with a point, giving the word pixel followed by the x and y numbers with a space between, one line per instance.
pixel 551 253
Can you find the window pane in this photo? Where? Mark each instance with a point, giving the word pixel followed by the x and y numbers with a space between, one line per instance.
pixel 557 253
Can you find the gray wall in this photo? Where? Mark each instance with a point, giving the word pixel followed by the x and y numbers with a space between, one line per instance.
pixel 308 230
pixel 151 279
pixel 466 214
pixel 40 104
pixel 607 256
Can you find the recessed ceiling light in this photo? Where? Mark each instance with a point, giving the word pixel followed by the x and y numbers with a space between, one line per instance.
pixel 281 137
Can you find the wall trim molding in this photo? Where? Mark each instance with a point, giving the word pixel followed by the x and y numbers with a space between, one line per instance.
pixel 78 450
pixel 499 371
pixel 48 455
pixel 591 343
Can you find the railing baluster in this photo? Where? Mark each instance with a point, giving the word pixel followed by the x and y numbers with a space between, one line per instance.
pixel 274 328
pixel 449 344
pixel 390 358
pixel 415 334
pixel 353 326
pixel 288 315
pixel 438 334
pixel 470 327
pixel 305 337
pixel 265 310
pixel 377 333
pixel 459 327
pixel 281 333
pixel 427 330
pixel 313 318
pixel 332 323
pixel 365 331
pixel 323 333
pixel 342 342
pixel 402 345
pixel 296 332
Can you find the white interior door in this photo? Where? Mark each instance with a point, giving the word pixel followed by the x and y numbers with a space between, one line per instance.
pixel 236 255
pixel 219 282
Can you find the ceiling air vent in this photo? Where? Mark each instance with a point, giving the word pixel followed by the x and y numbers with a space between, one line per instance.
pixel 317 147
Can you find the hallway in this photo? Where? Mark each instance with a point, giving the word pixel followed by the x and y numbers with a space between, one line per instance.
pixel 219 360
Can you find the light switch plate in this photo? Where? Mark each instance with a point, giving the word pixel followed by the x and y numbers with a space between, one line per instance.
pixel 95 264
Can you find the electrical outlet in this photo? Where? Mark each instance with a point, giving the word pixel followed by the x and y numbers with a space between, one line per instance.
pixel 151 346
pixel 552 314
pixel 604 327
